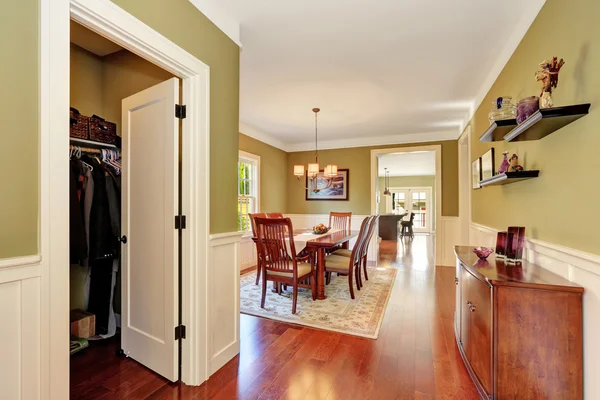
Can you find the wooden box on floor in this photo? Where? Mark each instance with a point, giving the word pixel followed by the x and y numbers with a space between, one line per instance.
pixel 519 329
pixel 83 324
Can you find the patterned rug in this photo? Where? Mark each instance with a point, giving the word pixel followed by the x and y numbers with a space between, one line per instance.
pixel 360 317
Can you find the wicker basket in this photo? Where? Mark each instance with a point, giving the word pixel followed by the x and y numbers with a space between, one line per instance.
pixel 102 131
pixel 80 125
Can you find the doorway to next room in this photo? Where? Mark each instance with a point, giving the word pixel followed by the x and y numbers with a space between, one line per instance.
pixel 124 192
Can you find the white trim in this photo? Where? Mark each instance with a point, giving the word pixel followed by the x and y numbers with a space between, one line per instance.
pixel 19 261
pixel 375 153
pixel 256 160
pixel 375 141
pixel 112 22
pixel 249 131
pixel 528 12
pixel 218 15
pixel 220 239
pixel 464 166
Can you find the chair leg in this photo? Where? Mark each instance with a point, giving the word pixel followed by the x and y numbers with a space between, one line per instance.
pixel 357 278
pixel 257 271
pixel 313 286
pixel 365 268
pixel 264 292
pixel 327 278
pixel 350 284
pixel 295 298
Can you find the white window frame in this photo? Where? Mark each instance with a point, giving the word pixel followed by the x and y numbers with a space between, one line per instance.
pixel 244 156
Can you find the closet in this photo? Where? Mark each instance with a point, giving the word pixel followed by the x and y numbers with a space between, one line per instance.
pixel 124 193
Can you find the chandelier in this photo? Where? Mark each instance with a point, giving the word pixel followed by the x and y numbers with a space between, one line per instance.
pixel 316 183
pixel 386 183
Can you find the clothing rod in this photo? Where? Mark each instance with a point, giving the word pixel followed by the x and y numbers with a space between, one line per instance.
pixel 88 150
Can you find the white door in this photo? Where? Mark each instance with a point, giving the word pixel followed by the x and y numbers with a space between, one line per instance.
pixel 413 200
pixel 150 193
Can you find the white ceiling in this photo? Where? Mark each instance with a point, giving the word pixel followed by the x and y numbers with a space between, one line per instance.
pixel 388 71
pixel 419 163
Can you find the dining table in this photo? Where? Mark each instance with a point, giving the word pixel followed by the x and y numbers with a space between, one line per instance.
pixel 318 244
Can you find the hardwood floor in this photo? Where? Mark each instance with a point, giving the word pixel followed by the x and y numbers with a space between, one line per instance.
pixel 415 356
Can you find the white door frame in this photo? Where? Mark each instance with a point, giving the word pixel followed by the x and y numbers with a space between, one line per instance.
pixel 428 189
pixel 112 22
pixel 376 153
pixel 464 185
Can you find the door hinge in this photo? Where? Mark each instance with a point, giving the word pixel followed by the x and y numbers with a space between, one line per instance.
pixel 180 111
pixel 180 332
pixel 180 222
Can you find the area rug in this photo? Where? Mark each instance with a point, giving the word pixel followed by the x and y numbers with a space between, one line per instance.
pixel 339 313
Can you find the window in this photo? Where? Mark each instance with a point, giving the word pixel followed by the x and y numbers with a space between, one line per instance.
pixel 248 187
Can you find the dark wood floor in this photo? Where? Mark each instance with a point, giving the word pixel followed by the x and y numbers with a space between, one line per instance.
pixel 415 356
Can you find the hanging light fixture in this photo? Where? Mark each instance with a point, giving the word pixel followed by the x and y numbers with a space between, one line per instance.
pixel 313 168
pixel 386 184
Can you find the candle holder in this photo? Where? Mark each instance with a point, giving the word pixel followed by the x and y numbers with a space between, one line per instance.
pixel 514 244
pixel 501 245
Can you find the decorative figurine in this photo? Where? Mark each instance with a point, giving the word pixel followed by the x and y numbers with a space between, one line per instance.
pixel 548 74
pixel 514 164
pixel 504 166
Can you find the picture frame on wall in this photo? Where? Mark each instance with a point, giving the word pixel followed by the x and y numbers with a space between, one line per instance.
pixel 338 191
pixel 488 164
pixel 476 174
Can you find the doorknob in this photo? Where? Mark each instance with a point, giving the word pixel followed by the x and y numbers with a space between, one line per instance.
pixel 123 239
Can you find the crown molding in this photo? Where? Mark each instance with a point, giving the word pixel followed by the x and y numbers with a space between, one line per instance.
pixel 217 14
pixel 376 141
pixel 529 11
pixel 262 136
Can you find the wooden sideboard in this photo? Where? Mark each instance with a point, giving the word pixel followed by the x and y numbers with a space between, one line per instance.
pixel 519 329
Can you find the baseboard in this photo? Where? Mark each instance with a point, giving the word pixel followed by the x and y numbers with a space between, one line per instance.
pixel 576 266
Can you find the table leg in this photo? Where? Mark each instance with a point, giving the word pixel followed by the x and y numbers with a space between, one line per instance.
pixel 321 274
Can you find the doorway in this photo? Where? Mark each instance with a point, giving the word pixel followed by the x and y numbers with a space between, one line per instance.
pixel 115 24
pixel 409 200
pixel 464 187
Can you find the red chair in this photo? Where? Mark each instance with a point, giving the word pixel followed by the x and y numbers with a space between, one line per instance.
pixel 279 264
pixel 274 215
pixel 340 220
pixel 349 265
pixel 253 224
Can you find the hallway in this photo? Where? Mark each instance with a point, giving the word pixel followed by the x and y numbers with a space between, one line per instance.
pixel 415 356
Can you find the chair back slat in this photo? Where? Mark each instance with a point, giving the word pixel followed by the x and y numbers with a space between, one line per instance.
pixel 340 220
pixel 253 223
pixel 369 236
pixel 271 242
pixel 275 215
pixel 355 257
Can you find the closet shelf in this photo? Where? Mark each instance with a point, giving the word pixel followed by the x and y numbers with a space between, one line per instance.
pixel 509 177
pixel 92 143
pixel 540 124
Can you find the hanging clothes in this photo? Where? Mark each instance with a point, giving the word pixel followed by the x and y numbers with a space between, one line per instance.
pixel 102 240
pixel 78 248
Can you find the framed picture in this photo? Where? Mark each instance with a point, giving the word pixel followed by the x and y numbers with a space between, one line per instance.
pixel 487 164
pixel 476 173
pixel 337 191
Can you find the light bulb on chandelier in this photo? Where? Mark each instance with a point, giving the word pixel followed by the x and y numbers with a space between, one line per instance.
pixel 312 172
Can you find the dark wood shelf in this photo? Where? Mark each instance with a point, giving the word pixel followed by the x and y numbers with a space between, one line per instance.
pixel 509 177
pixel 540 124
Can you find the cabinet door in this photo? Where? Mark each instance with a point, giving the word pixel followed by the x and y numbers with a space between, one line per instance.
pixel 457 301
pixel 463 310
pixel 480 339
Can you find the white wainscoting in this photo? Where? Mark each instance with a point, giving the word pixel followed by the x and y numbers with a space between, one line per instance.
pixel 20 313
pixel 578 267
pixel 223 299
pixel 247 252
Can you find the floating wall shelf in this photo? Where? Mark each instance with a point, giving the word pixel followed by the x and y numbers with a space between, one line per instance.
pixel 509 177
pixel 540 124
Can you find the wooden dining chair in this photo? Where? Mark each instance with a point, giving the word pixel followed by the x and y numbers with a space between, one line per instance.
pixel 253 225
pixel 364 249
pixel 349 265
pixel 275 215
pixel 340 220
pixel 280 264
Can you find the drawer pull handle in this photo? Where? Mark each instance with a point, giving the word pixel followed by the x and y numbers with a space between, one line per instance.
pixel 456 281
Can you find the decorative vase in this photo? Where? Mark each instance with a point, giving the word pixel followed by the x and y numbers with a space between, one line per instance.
pixel 527 107
pixel 502 109
pixel 505 164
pixel 546 100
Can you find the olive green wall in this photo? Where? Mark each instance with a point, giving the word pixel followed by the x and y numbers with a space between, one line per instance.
pixel 124 74
pixel 561 206
pixel 19 118
pixel 86 87
pixel 273 173
pixel 182 23
pixel 408 181
pixel 358 161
